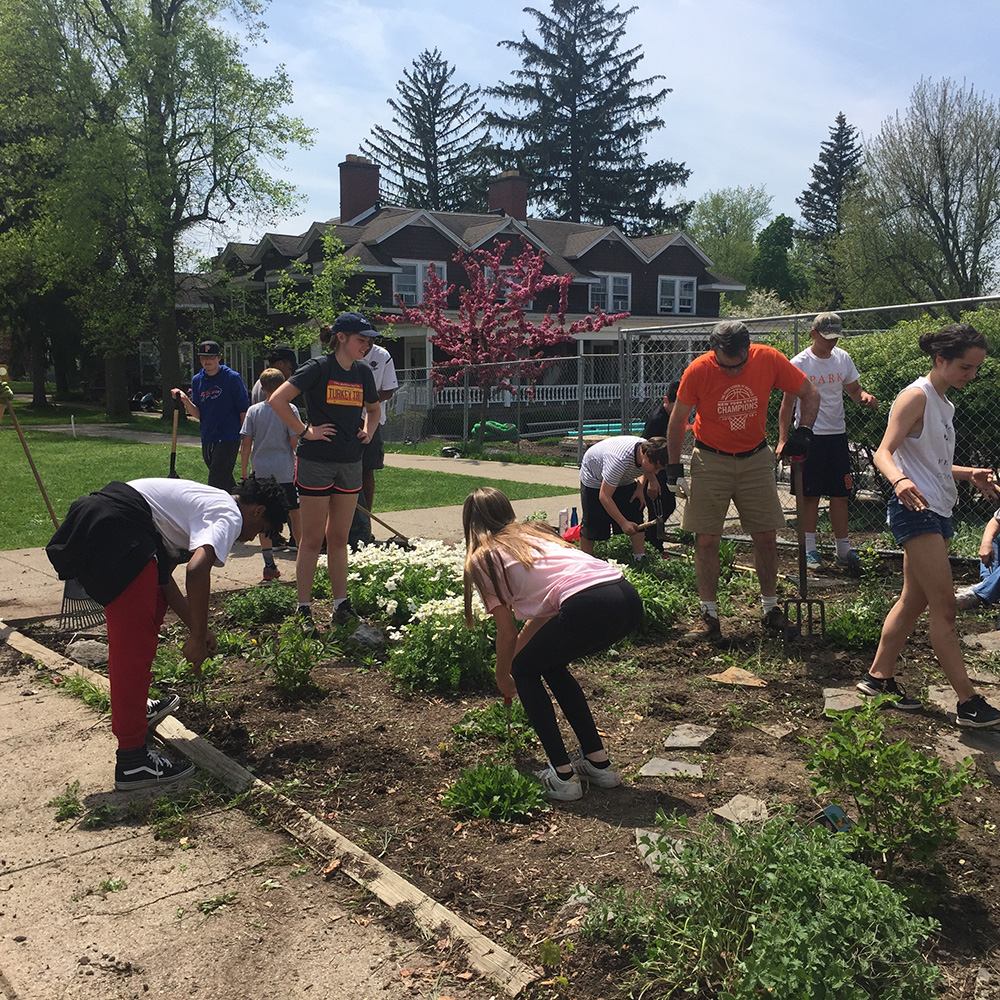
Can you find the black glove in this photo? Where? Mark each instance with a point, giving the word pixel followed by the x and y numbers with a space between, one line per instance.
pixel 797 447
pixel 674 472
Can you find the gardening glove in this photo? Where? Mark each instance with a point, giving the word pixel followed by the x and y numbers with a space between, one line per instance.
pixel 6 393
pixel 676 482
pixel 797 447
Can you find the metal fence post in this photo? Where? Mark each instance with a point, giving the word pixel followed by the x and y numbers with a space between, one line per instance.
pixel 579 403
pixel 465 404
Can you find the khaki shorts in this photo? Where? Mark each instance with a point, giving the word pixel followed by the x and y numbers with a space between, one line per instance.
pixel 749 483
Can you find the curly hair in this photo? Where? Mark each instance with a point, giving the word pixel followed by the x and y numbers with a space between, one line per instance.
pixel 269 494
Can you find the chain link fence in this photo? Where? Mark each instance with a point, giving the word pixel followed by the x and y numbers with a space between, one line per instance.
pixel 611 388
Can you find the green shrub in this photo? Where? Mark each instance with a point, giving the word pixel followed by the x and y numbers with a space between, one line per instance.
pixel 267 602
pixel 494 791
pixel 321 588
pixel 491 723
pixel 859 623
pixel 902 798
pixel 768 911
pixel 171 669
pixel 436 652
pixel 289 657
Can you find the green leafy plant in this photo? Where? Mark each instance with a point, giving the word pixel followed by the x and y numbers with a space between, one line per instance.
pixel 112 885
pixel 232 643
pixel 100 816
pixel 267 602
pixel 902 798
pixel 436 652
pixel 67 805
pixel 209 906
pixel 171 669
pixel 859 623
pixel 770 910
pixel 491 724
pixel 664 593
pixel 289 657
pixel 494 791
pixel 88 692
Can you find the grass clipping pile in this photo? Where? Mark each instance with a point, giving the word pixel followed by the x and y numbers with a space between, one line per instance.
pixel 410 753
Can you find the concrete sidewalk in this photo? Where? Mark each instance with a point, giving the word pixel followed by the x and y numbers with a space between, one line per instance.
pixel 30 589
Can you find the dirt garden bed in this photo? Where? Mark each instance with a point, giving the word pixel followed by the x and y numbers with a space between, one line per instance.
pixel 373 761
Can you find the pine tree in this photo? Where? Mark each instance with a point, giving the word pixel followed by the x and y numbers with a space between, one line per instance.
pixel 771 269
pixel 581 117
pixel 823 201
pixel 437 157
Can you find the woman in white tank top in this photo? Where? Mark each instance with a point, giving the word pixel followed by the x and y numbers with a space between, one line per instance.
pixel 916 457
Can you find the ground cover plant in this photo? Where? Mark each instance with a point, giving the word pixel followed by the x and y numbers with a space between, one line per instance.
pixel 376 758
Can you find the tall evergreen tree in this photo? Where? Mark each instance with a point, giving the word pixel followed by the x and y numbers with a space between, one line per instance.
pixel 822 204
pixel 437 156
pixel 771 268
pixel 580 117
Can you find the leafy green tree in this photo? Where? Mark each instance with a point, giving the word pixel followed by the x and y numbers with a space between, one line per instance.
pixel 933 188
pixel 321 295
pixel 771 267
pixel 580 116
pixel 437 154
pixel 725 224
pixel 822 205
pixel 197 123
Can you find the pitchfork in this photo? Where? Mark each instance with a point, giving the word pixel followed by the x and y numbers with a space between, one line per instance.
pixel 807 613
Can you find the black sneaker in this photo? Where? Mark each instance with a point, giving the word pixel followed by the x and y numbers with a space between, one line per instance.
pixel 159 709
pixel 977 713
pixel 873 686
pixel 344 614
pixel 147 768
pixel 305 618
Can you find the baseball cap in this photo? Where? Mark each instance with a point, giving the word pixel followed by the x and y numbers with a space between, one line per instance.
pixel 281 352
pixel 828 325
pixel 354 322
pixel 208 347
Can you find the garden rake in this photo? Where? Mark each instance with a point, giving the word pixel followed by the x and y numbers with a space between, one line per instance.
pixel 79 610
pixel 398 538
pixel 805 615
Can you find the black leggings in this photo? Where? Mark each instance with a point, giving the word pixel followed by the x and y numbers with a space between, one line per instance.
pixel 587 622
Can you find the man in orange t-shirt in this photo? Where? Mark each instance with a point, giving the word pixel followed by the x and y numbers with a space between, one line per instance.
pixel 732 462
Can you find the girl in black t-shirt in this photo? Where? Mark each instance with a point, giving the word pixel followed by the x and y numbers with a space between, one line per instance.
pixel 343 408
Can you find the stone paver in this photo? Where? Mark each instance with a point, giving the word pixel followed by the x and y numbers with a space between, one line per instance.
pixel 742 809
pixel 656 851
pixel 841 699
pixel 660 768
pixel 779 730
pixel 687 736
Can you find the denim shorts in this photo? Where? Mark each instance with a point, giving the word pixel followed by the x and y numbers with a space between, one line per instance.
pixel 906 524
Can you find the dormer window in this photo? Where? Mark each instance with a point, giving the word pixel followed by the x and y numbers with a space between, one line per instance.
pixel 408 283
pixel 613 293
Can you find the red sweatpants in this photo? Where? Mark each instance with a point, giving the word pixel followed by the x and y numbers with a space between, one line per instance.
pixel 134 618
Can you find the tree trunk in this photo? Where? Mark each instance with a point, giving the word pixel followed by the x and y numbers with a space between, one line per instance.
pixel 116 390
pixel 165 319
pixel 36 334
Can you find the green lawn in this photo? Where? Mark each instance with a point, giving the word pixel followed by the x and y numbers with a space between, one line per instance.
pixel 70 467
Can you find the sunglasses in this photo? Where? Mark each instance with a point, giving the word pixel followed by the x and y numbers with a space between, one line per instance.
pixel 739 364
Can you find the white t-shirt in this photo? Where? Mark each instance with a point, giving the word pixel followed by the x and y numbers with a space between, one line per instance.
pixel 829 376
pixel 557 573
pixel 384 370
pixel 188 515
pixel 611 460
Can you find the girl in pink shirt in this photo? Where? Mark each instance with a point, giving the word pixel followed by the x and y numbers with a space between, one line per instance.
pixel 572 606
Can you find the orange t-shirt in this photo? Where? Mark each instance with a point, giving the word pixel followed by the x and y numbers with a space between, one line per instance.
pixel 732 411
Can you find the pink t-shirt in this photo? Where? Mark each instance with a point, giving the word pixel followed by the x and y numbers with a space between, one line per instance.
pixel 558 573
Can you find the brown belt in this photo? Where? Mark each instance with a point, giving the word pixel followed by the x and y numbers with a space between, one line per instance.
pixel 731 454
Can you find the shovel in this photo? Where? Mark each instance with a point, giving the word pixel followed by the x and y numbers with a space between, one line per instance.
pixel 808 616
pixel 173 443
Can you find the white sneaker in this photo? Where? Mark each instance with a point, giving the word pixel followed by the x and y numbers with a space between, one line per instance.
pixel 967 599
pixel 557 789
pixel 603 777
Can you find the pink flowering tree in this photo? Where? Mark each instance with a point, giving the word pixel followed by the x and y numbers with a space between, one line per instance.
pixel 492 341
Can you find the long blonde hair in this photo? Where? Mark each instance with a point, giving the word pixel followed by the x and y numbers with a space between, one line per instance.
pixel 490 524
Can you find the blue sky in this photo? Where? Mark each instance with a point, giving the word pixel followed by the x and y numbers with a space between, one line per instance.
pixel 756 83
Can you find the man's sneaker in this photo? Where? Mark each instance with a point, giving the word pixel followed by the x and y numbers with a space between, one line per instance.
pixel 851 562
pixel 603 777
pixel 977 713
pixel 814 560
pixel 344 614
pixel 147 768
pixel 968 599
pixel 159 709
pixel 271 573
pixel 873 686
pixel 557 789
pixel 708 629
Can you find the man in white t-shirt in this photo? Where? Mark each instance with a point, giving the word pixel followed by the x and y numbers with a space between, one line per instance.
pixel 826 471
pixel 122 544
pixel 373 456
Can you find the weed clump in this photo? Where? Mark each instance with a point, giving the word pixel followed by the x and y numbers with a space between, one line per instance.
pixel 267 602
pixel 494 791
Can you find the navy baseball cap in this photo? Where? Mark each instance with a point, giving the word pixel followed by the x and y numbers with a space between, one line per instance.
pixel 207 348
pixel 354 322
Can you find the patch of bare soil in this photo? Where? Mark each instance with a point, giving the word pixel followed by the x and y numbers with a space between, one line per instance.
pixel 372 762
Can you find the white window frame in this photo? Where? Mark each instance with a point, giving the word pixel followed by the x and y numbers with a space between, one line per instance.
pixel 603 293
pixel 500 289
pixel 676 283
pixel 421 268
pixel 275 300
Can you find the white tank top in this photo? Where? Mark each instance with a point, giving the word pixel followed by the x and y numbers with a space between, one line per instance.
pixel 927 458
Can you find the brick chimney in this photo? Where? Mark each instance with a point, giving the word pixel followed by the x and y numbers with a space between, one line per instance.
pixel 358 186
pixel 509 191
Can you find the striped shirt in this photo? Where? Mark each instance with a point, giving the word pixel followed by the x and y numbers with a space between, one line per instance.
pixel 612 460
